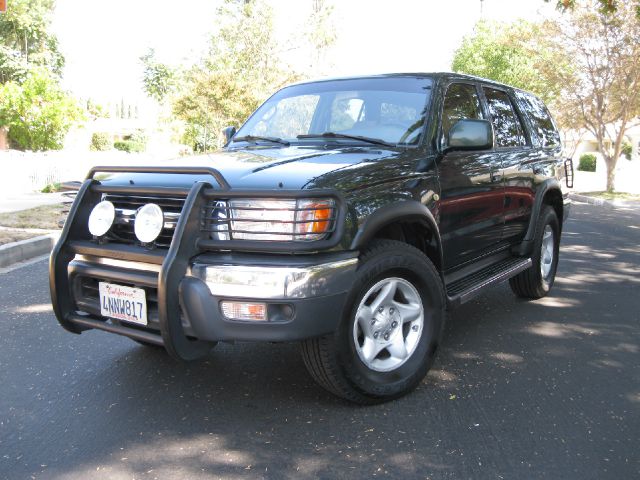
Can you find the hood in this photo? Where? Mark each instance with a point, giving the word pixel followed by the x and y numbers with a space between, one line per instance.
pixel 293 167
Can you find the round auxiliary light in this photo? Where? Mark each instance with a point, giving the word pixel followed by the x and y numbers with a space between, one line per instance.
pixel 149 223
pixel 101 218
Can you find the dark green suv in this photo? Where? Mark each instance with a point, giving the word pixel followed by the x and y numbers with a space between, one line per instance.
pixel 346 214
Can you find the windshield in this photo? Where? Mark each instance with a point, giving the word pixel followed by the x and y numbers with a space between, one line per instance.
pixel 390 109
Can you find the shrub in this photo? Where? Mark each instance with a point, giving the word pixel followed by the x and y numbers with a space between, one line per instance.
pixel 627 149
pixel 129 146
pixel 38 112
pixel 587 162
pixel 138 136
pixel 51 188
pixel 101 141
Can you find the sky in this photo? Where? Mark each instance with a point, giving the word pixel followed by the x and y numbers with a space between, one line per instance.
pixel 102 41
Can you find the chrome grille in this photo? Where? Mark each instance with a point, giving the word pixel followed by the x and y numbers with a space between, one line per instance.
pixel 229 220
pixel 126 207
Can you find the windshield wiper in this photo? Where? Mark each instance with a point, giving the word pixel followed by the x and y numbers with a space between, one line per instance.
pixel 375 141
pixel 254 138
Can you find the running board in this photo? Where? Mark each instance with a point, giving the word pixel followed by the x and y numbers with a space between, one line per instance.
pixel 466 288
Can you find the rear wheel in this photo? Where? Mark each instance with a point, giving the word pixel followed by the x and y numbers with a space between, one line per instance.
pixel 390 330
pixel 536 281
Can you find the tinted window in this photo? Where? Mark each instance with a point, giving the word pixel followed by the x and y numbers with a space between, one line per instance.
pixel 541 123
pixel 461 101
pixel 506 124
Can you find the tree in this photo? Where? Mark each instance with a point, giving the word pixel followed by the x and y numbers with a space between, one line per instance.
pixel 38 113
pixel 602 91
pixel 159 80
pixel 604 6
pixel 320 32
pixel 25 41
pixel 506 53
pixel 242 68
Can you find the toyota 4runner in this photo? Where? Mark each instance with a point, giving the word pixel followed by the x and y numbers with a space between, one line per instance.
pixel 346 214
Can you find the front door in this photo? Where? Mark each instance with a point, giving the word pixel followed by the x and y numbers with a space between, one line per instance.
pixel 472 191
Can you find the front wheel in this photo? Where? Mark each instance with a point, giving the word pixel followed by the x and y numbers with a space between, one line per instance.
pixel 390 330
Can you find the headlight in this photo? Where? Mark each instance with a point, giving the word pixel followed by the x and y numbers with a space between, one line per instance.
pixel 149 222
pixel 101 218
pixel 273 220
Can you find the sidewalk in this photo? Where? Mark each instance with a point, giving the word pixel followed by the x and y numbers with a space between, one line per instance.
pixel 14 202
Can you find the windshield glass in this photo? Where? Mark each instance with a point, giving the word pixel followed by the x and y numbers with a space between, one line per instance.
pixel 390 109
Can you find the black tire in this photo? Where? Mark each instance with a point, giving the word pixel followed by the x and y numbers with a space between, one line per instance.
pixel 334 360
pixel 532 283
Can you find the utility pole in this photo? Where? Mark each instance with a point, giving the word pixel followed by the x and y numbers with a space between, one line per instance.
pixel 481 8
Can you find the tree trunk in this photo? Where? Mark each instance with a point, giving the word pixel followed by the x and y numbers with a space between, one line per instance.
pixel 611 174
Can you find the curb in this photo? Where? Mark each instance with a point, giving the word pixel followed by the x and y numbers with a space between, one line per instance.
pixel 596 201
pixel 26 249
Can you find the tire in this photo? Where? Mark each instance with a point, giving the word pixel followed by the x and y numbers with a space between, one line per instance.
pixel 536 281
pixel 411 312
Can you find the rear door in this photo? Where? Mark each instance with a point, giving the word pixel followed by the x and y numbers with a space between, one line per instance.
pixel 512 146
pixel 472 192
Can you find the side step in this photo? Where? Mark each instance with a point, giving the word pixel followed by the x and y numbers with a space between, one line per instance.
pixel 466 288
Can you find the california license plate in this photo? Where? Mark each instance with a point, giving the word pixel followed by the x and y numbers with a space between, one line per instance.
pixel 123 303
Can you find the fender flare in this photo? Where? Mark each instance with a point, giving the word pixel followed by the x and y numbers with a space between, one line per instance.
pixel 545 187
pixel 398 211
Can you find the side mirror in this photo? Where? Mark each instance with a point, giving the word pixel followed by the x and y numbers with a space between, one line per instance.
pixel 228 133
pixel 468 134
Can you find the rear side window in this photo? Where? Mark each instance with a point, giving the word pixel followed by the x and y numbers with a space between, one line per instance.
pixel 460 102
pixel 543 128
pixel 506 123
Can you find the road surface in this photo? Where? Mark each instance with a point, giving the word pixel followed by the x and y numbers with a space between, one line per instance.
pixel 542 389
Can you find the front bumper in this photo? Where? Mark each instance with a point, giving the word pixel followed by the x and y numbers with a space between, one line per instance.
pixel 307 307
pixel 184 313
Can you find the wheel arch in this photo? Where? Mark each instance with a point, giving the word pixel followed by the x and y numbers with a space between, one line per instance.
pixel 407 221
pixel 548 193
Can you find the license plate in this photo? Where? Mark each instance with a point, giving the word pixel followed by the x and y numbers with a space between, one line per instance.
pixel 123 303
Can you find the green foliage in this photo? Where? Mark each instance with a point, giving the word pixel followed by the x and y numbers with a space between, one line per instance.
pixel 25 42
pixel 158 79
pixel 627 150
pixel 587 162
pixel 51 188
pixel 241 69
pixel 38 113
pixel 139 136
pixel 101 142
pixel 129 146
pixel 95 110
pixel 506 53
pixel 606 7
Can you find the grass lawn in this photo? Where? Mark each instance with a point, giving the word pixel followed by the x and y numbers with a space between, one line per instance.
pixel 633 197
pixel 10 236
pixel 45 217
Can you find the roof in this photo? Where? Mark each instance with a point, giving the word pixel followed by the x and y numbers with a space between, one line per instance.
pixel 435 75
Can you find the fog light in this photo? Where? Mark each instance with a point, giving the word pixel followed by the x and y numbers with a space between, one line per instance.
pixel 149 222
pixel 101 218
pixel 244 311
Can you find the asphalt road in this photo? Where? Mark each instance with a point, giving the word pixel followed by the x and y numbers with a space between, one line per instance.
pixel 544 389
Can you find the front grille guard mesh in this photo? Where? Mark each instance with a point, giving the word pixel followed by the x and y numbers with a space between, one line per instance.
pixel 220 219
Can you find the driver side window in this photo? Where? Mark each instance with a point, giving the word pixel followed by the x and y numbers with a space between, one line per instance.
pixel 461 101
